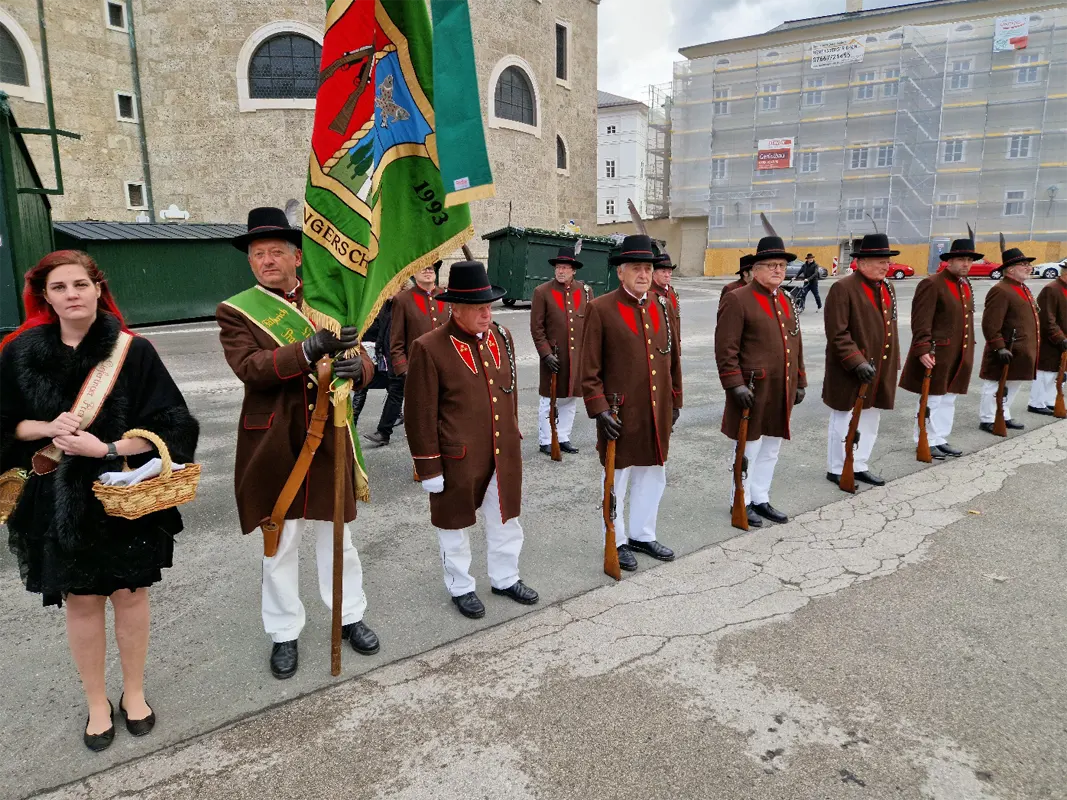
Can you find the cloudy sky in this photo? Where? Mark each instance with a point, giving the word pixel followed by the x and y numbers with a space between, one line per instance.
pixel 639 39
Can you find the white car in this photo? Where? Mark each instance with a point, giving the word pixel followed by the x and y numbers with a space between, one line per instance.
pixel 1050 269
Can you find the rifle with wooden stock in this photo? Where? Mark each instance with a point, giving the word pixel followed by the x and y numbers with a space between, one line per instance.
pixel 922 452
pixel 1060 412
pixel 553 412
pixel 1000 423
pixel 739 512
pixel 847 482
pixel 611 552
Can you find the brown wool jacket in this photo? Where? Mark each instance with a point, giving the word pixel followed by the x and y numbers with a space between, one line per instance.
pixel 557 317
pixel 631 349
pixel 730 287
pixel 275 414
pixel 1053 304
pixel 859 319
pixel 942 314
pixel 672 306
pixel 461 417
pixel 1010 306
pixel 758 333
pixel 415 312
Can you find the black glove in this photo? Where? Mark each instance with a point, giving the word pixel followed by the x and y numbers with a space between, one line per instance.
pixel 675 413
pixel 349 369
pixel 865 372
pixel 552 362
pixel 800 397
pixel 1063 345
pixel 325 343
pixel 744 396
pixel 1004 355
pixel 608 425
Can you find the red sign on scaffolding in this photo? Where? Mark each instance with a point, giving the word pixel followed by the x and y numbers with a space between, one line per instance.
pixel 774 154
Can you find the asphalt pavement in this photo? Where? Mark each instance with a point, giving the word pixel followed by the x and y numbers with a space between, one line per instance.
pixel 547 720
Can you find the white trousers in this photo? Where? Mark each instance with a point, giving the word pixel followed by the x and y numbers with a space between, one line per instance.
pixel 987 408
pixel 566 406
pixel 283 613
pixel 762 455
pixel 942 414
pixel 503 543
pixel 868 431
pixel 646 485
pixel 1043 390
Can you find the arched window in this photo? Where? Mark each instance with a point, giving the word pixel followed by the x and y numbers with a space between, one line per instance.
pixel 12 65
pixel 515 99
pixel 561 155
pixel 286 67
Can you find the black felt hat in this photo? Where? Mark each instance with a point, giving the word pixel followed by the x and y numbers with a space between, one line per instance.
pixel 874 245
pixel 267 223
pixel 962 248
pixel 1014 256
pixel 746 263
pixel 772 247
pixel 566 256
pixel 635 249
pixel 664 261
pixel 468 283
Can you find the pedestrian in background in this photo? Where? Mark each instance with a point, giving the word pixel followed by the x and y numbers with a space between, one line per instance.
pixel 810 273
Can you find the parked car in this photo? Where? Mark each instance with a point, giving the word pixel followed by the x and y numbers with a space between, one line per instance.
pixel 896 271
pixel 981 269
pixel 1050 269
pixel 793 269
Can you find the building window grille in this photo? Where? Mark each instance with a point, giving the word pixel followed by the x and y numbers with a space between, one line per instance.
pixel 718 169
pixel 885 155
pixel 866 90
pixel 561 51
pixel 813 95
pixel 880 211
pixel 561 153
pixel 513 98
pixel 1014 203
pixel 855 210
pixel 858 158
pixel 116 16
pixel 1027 74
pixel 948 206
pixel 953 152
pixel 1019 146
pixel 609 168
pixel 809 162
pixel 805 212
pixel 12 65
pixel 960 76
pixel 285 67
pixel 135 196
pixel 722 102
pixel 769 101
pixel 891 88
pixel 718 217
pixel 609 207
pixel 611 130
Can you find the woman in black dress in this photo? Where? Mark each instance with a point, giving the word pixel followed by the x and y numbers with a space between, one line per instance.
pixel 68 549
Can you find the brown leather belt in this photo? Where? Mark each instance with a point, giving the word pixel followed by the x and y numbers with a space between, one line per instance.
pixel 272 525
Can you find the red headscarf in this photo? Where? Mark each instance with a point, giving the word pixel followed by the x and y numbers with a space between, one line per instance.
pixel 38 311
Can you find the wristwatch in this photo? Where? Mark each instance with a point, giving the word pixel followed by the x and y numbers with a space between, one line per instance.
pixel 112 453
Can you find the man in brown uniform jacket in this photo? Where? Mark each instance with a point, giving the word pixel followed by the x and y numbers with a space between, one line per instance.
pixel 758 342
pixel 1009 310
pixel 279 398
pixel 745 277
pixel 557 317
pixel 942 338
pixel 631 350
pixel 662 274
pixel 862 346
pixel 463 430
pixel 1052 303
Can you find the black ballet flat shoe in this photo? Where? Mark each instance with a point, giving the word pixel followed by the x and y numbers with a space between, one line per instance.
pixel 100 741
pixel 138 727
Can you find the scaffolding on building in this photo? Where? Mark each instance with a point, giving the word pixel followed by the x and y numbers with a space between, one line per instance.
pixel 931 131
pixel 658 152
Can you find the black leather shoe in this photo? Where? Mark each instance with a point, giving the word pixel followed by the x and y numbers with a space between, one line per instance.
pixel 519 592
pixel 1014 426
pixel 949 450
pixel 936 453
pixel 754 519
pixel 627 559
pixel 376 439
pixel 283 660
pixel 100 741
pixel 547 449
pixel 469 605
pixel 1043 411
pixel 363 640
pixel 835 479
pixel 767 511
pixel 567 447
pixel 138 727
pixel 985 426
pixel 653 548
pixel 870 477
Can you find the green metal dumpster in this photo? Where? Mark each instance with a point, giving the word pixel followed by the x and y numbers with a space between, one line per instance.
pixel 163 272
pixel 518 260
pixel 25 218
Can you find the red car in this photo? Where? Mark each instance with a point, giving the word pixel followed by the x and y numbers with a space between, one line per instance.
pixel 896 271
pixel 981 269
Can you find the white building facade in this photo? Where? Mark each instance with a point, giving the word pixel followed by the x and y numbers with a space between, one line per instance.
pixel 622 144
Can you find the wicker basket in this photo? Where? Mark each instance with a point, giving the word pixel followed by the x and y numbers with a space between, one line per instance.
pixel 166 490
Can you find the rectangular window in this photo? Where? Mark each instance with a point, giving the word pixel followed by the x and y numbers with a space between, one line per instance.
pixel 609 168
pixel 135 196
pixel 718 169
pixel 562 40
pixel 805 212
pixel 858 157
pixel 610 130
pixel 1015 203
pixel 855 210
pixel 960 75
pixel 769 101
pixel 125 108
pixel 813 95
pixel 1027 74
pixel 1019 146
pixel 718 217
pixel 881 208
pixel 885 155
pixel 891 88
pixel 116 15
pixel 953 152
pixel 866 91
pixel 722 102
pixel 809 162
pixel 609 208
pixel 947 206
